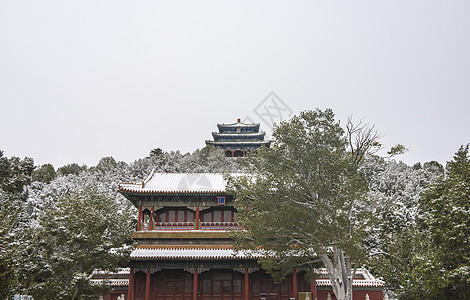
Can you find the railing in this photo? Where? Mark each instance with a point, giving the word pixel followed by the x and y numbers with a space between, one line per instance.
pixel 219 225
pixel 189 226
pixel 173 226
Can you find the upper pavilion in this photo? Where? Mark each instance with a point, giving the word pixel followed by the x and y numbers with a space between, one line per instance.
pixel 238 138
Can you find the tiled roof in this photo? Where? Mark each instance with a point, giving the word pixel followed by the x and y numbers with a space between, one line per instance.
pixel 175 183
pixel 356 282
pixel 238 142
pixel 120 271
pixel 112 281
pixel 172 253
pixel 238 124
pixel 239 135
pixel 119 278
pixel 368 279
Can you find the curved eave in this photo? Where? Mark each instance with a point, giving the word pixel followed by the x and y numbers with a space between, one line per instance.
pixel 172 193
pixel 235 125
pixel 194 258
pixel 185 254
pixel 238 135
pixel 238 142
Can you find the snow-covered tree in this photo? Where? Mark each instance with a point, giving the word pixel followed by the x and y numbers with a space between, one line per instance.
pixel 396 242
pixel 31 211
pixel 45 173
pixel 15 175
pixel 72 168
pixel 80 232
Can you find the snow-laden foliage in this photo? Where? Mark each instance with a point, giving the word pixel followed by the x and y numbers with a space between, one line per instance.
pixel 395 189
pixel 396 242
pixel 66 222
pixel 15 175
pixel 73 236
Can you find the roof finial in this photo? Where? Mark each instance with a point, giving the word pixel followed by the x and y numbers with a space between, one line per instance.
pixel 238 120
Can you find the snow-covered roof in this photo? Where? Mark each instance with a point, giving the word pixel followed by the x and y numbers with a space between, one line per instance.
pixel 120 271
pixel 196 253
pixel 112 281
pixel 178 183
pixel 118 278
pixel 368 279
pixel 237 124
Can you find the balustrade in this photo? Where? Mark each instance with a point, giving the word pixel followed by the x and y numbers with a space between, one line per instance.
pixel 189 226
pixel 219 225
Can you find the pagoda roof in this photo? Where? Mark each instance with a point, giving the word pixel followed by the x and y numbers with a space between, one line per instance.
pixel 238 135
pixel 242 143
pixel 237 125
pixel 177 183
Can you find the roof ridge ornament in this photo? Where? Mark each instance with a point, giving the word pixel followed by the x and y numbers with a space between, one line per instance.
pixel 148 178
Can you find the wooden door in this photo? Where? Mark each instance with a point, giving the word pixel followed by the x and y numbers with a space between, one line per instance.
pixel 268 290
pixel 174 289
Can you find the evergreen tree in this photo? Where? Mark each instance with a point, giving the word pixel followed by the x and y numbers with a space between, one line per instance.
pixel 45 173
pixel 15 175
pixel 69 169
pixel 397 243
pixel 106 163
pixel 446 206
pixel 156 152
pixel 305 200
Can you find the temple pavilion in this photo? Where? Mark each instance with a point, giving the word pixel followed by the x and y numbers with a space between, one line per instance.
pixel 184 251
pixel 236 139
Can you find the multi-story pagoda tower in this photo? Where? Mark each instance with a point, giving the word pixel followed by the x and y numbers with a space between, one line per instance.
pixel 238 138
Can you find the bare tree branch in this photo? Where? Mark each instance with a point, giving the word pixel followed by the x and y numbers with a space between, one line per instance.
pixel 363 139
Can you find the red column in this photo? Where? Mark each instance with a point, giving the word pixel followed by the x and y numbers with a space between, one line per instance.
pixel 139 224
pixel 130 290
pixel 294 284
pixel 313 289
pixel 233 153
pixel 195 284
pixel 151 218
pixel 247 285
pixel 197 217
pixel 147 285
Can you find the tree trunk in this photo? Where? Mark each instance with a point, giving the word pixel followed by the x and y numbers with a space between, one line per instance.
pixel 340 273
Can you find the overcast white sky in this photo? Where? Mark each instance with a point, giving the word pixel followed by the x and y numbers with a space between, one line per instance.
pixel 80 80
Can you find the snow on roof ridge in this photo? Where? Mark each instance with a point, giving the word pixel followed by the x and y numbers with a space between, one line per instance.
pixel 191 253
pixel 179 183
pixel 105 272
pixel 241 124
pixel 148 178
